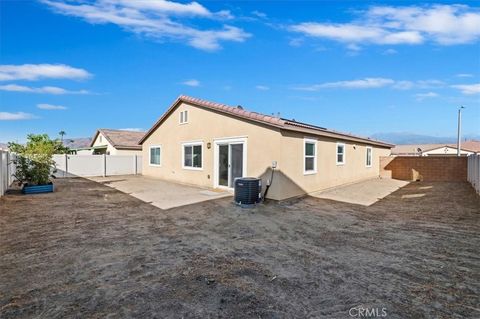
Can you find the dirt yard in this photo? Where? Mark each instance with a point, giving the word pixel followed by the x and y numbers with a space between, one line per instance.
pixel 91 251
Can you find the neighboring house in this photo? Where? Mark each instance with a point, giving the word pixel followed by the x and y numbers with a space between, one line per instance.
pixel 115 142
pixel 466 148
pixel 210 144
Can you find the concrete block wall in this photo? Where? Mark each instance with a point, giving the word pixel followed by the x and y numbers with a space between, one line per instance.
pixel 424 168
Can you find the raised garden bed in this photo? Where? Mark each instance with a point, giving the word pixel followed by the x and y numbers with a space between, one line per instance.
pixel 37 189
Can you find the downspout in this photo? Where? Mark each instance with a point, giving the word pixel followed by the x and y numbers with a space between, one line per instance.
pixel 269 183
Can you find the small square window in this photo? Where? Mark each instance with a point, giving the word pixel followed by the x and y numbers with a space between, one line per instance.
pixel 183 117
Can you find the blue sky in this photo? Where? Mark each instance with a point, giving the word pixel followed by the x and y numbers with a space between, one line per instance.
pixel 351 66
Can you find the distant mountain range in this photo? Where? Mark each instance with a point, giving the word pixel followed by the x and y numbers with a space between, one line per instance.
pixel 411 138
pixel 77 142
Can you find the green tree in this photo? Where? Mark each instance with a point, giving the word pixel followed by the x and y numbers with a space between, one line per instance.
pixel 62 134
pixel 34 160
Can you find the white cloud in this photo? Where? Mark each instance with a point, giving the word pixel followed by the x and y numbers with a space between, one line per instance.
pixel 421 84
pixel 423 96
pixel 468 89
pixel 350 33
pixel 134 129
pixel 45 89
pixel 372 83
pixel 259 14
pixel 157 19
pixel 33 72
pixel 44 106
pixel 7 116
pixel 262 87
pixel 191 82
pixel 366 83
pixel 464 75
pixel 390 51
pixel 296 42
pixel 161 6
pixel 381 25
pixel 354 47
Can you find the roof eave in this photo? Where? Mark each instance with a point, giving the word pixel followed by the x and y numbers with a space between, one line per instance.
pixel 339 136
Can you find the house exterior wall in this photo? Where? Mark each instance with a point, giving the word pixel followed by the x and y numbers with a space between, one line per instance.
pixel 264 145
pixel 328 174
pixel 112 150
pixel 207 126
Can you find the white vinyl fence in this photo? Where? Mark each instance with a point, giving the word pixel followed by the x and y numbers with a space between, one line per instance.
pixel 7 169
pixel 97 165
pixel 473 169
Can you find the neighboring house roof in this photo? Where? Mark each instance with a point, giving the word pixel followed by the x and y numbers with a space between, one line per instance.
pixel 412 149
pixel 268 120
pixel 472 145
pixel 120 139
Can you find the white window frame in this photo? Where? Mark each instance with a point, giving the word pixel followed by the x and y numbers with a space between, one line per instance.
pixel 181 118
pixel 314 142
pixel 366 156
pixel 228 140
pixel 343 154
pixel 194 143
pixel 150 155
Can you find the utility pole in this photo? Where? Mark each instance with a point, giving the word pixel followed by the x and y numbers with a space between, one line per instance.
pixel 459 133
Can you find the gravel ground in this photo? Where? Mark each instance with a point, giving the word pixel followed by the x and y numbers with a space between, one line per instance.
pixel 88 250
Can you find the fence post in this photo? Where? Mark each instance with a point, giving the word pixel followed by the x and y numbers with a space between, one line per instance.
pixel 65 173
pixel 135 164
pixel 1 174
pixel 104 165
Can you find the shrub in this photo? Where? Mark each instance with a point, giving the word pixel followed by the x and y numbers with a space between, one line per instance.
pixel 34 160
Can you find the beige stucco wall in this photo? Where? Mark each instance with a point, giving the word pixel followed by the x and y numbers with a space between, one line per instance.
pixel 112 150
pixel 264 145
pixel 206 126
pixel 328 174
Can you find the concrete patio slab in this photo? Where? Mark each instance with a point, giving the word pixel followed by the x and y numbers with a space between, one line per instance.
pixel 364 193
pixel 159 193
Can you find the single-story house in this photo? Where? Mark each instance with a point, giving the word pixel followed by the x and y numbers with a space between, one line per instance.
pixel 210 144
pixel 466 148
pixel 116 142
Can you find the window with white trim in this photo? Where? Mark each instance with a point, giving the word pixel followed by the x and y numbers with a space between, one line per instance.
pixel 310 156
pixel 184 117
pixel 368 159
pixel 192 155
pixel 340 153
pixel 155 152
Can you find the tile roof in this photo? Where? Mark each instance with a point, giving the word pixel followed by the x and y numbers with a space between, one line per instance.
pixel 269 120
pixel 473 146
pixel 121 139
